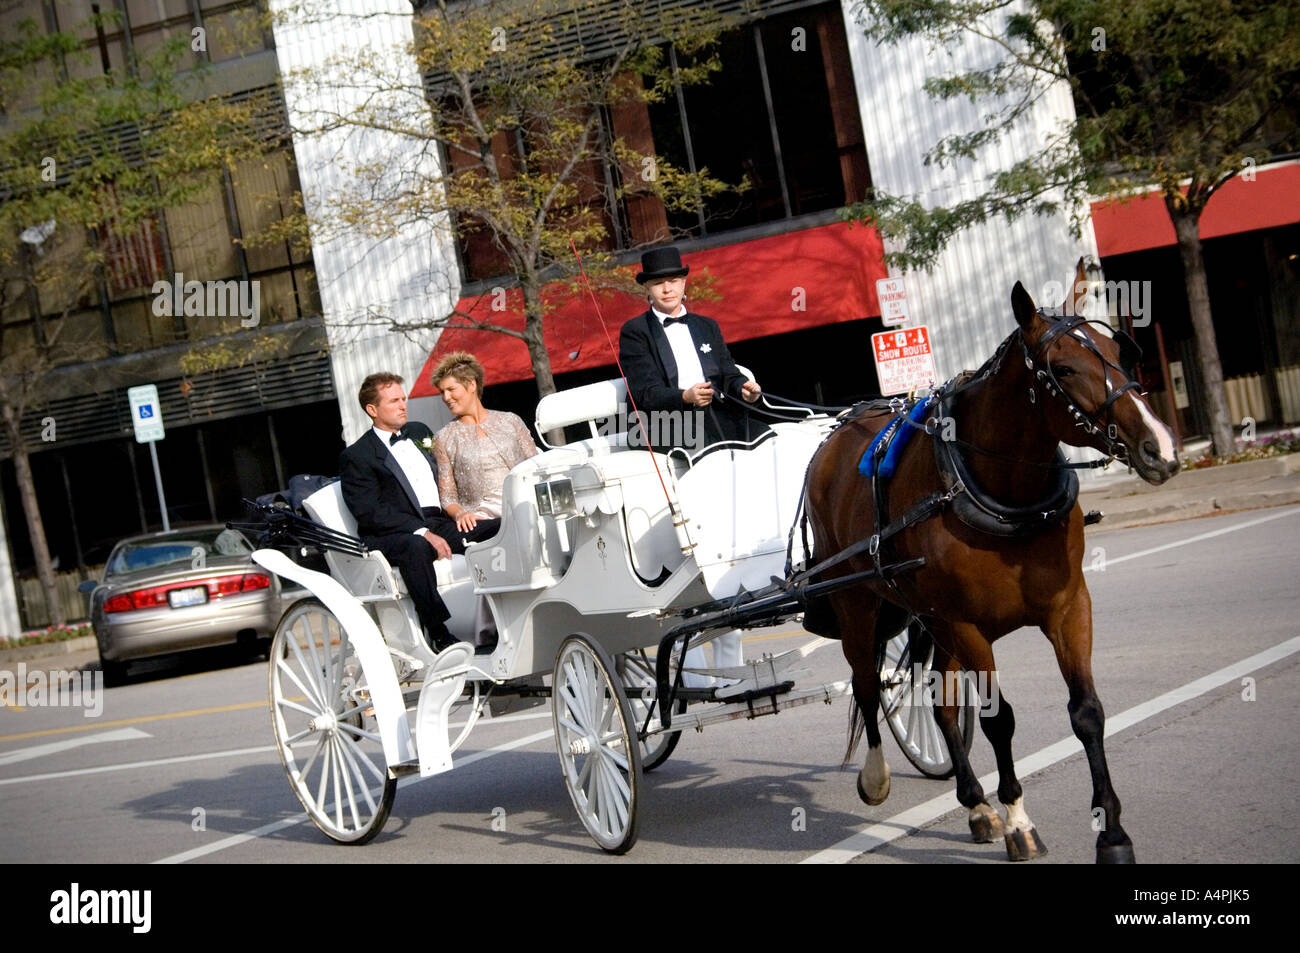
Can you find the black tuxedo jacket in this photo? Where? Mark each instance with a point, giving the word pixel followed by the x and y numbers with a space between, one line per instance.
pixel 651 370
pixel 378 492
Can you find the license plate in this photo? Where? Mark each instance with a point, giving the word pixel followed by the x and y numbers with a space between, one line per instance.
pixel 194 596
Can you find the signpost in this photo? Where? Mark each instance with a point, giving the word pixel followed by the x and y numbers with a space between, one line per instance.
pixel 892 297
pixel 903 358
pixel 146 418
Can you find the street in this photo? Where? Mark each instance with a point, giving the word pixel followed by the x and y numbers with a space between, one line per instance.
pixel 183 769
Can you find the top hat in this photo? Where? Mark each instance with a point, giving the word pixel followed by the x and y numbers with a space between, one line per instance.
pixel 660 263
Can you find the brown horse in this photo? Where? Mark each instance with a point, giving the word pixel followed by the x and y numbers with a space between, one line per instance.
pixel 1056 379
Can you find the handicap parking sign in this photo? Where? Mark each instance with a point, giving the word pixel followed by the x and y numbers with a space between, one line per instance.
pixel 146 413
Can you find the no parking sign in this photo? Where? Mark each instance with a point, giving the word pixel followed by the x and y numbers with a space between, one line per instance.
pixel 903 360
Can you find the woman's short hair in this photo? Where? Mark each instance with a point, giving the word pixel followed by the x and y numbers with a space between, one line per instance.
pixel 461 365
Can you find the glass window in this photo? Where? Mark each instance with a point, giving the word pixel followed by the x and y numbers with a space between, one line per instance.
pixel 145 13
pixel 200 237
pixel 261 189
pixel 235 33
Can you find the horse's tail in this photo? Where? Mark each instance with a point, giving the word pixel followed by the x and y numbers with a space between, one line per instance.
pixel 857 725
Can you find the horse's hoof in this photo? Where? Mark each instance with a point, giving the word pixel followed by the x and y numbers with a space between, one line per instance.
pixel 870 799
pixel 1024 845
pixel 1116 854
pixel 985 824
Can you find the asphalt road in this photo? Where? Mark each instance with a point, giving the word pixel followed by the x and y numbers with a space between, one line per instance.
pixel 180 766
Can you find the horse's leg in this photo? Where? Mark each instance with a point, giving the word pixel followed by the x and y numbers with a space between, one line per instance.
pixel 1072 640
pixel 860 649
pixel 954 644
pixel 998 721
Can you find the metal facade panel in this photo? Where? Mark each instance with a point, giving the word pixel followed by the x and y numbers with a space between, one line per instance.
pixel 965 299
pixel 410 275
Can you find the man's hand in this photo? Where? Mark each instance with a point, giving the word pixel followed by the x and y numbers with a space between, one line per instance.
pixel 439 545
pixel 750 391
pixel 698 395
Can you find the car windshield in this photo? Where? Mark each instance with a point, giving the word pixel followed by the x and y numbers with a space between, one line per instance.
pixel 189 546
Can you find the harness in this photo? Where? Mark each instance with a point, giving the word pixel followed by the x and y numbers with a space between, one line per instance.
pixel 970 502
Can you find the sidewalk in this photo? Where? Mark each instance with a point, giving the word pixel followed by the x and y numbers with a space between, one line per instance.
pixel 1128 501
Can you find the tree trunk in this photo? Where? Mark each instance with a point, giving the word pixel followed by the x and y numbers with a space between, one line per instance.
pixel 537 355
pixel 32 510
pixel 1188 229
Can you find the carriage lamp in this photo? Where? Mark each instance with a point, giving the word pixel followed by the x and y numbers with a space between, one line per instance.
pixel 556 498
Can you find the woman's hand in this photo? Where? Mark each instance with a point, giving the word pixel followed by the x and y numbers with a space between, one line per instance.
pixel 466 521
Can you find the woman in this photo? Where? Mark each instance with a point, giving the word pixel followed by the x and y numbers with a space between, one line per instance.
pixel 476 451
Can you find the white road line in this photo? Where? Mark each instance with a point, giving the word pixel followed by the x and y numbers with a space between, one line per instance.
pixel 906 822
pixel 1195 539
pixel 54 747
pixel 233 752
pixel 276 826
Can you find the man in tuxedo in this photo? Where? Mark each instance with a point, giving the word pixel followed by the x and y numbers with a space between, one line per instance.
pixel 676 360
pixel 391 486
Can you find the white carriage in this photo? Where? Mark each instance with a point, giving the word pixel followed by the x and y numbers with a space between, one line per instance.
pixel 593 555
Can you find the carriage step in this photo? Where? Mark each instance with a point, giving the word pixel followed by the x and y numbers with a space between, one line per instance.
pixel 405 768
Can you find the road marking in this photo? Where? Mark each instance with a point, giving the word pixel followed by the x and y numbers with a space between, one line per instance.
pixel 54 747
pixel 907 822
pixel 276 826
pixel 133 721
pixel 103 769
pixel 1194 539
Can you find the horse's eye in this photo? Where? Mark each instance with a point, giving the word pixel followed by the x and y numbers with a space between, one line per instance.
pixel 1060 370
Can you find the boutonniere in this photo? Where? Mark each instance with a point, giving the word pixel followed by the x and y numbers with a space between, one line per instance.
pixel 426 444
pixel 705 348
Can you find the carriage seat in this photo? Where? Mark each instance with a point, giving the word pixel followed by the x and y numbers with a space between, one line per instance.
pixel 326 507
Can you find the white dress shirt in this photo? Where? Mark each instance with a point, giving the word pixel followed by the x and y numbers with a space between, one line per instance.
pixel 689 369
pixel 413 463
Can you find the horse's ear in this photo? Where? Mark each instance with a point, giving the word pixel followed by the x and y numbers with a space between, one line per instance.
pixel 1023 307
pixel 1077 292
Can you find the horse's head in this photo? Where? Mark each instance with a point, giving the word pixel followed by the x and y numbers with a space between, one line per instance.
pixel 1089 369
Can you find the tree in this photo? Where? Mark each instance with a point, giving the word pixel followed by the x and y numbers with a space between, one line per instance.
pixel 88 161
pixel 512 108
pixel 1182 95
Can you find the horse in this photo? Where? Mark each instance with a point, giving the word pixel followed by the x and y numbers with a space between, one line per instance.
pixel 1003 546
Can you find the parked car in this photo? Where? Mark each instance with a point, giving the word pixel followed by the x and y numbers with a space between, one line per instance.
pixel 186 589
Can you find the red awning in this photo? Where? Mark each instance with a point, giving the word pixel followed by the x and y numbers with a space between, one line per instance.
pixel 757 281
pixel 1271 200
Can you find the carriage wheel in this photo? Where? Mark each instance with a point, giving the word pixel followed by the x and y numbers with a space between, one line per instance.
pixel 910 712
pixel 336 765
pixel 596 740
pixel 638 674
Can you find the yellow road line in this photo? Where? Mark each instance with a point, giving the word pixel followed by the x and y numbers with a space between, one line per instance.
pixel 132 721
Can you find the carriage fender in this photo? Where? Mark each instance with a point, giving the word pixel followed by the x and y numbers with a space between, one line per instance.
pixel 390 709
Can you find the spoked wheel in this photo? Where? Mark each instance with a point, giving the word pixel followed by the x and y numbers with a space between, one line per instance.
pixel 909 708
pixel 638 674
pixel 596 741
pixel 335 763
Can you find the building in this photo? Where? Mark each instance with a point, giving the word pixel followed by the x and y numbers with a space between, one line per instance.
pixel 805 108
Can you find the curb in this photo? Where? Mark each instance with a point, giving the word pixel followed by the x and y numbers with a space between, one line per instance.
pixel 27 653
pixel 1175 510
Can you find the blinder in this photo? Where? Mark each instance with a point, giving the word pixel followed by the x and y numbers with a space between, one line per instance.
pixel 1129 355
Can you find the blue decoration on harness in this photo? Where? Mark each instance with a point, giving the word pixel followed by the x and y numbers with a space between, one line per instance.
pixel 885 445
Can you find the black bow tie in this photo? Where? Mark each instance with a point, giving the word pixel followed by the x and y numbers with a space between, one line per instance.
pixel 393 438
pixel 671 321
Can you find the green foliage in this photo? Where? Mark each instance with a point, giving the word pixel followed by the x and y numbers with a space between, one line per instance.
pixel 1173 93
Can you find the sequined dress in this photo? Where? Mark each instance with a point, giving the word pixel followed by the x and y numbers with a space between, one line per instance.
pixel 473 460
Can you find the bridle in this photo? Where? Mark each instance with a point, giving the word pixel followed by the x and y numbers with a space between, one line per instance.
pixel 1092 423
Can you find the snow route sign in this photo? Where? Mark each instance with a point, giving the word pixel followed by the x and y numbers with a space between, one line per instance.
pixel 903 360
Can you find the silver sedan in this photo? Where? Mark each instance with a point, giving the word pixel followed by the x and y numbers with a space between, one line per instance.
pixel 171 592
